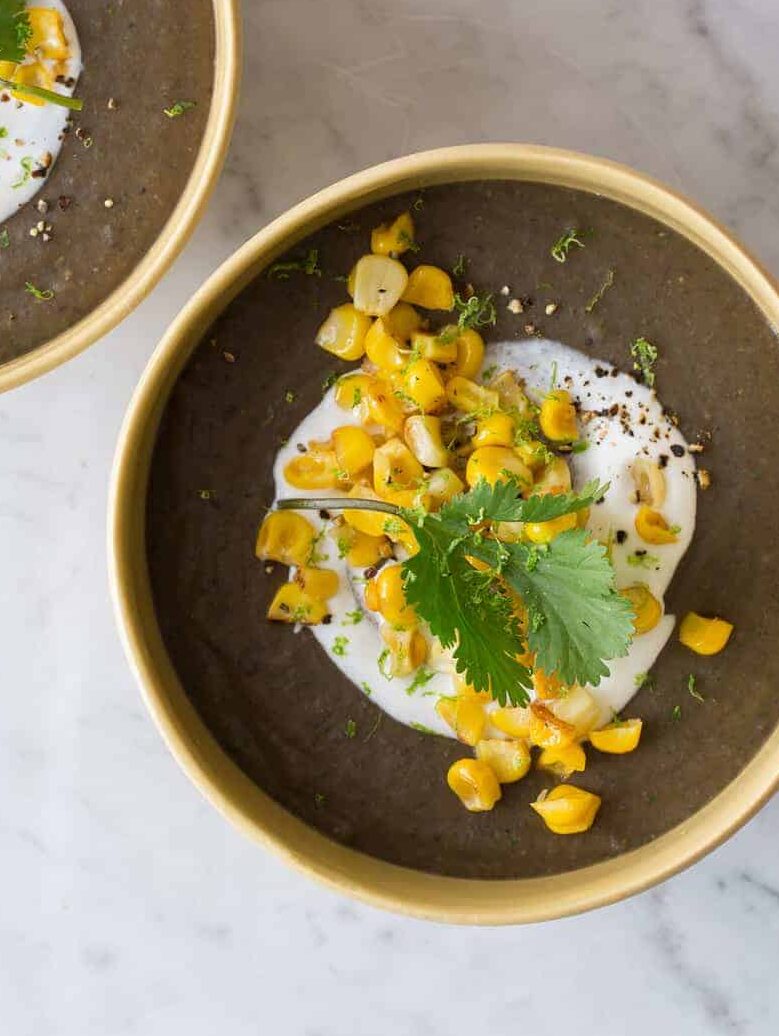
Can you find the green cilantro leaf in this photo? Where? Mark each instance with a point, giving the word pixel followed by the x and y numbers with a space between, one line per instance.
pixel 308 265
pixel 15 30
pixel 644 359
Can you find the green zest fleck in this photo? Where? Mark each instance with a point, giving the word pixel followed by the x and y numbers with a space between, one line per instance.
pixel 643 560
pixel 475 311
pixel 692 687
pixel 309 265
pixel 643 680
pixel 351 728
pixel 339 646
pixel 422 728
pixel 489 373
pixel 5 241
pixel 25 174
pixel 40 294
pixel 353 618
pixel 459 266
pixel 329 381
pixel 408 241
pixel 600 292
pixel 675 529
pixel 319 799
pixel 177 110
pixel 676 713
pixel 367 688
pixel 418 203
pixel 3 132
pixel 423 676
pixel 644 359
pixel 565 242
pixel 206 494
pixel 381 662
pixel 289 396
pixel 580 446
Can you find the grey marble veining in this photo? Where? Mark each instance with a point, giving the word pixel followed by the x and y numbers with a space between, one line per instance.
pixel 130 906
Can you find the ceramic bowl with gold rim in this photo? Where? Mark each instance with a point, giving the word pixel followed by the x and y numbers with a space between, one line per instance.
pixel 96 203
pixel 277 736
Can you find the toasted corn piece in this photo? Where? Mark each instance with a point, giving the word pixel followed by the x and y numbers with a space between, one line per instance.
pixel 546 729
pixel 647 610
pixel 534 454
pixel 382 348
pixel 511 393
pixel 508 532
pixel 396 237
pixel 578 709
pixel 474 784
pixel 360 549
pixel 424 386
pixel 617 738
pixel 429 287
pixel 422 433
pixel 470 354
pixel 379 283
pixel 316 469
pixel 514 720
pixel 546 685
pixel 545 532
pixel 650 482
pixel 388 597
pixel 494 463
pixel 469 397
pixel 32 74
pixel 292 604
pixel 351 390
pixel 440 347
pixel 354 449
pixel 704 636
pixel 402 321
pixel 407 651
pixel 343 332
pixel 554 478
pixel 508 760
pixel 495 430
pixel 652 527
pixel 397 474
pixel 562 760
pixel 370 522
pixel 286 537
pixel 318 582
pixel 558 417
pixel 382 407
pixel 465 715
pixel 567 810
pixel 48 34
pixel 442 485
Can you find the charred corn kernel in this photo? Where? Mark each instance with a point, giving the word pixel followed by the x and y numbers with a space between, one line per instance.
pixel 382 348
pixel 652 527
pixel 469 397
pixel 423 384
pixel 554 478
pixel 32 74
pixel 514 721
pixel 470 354
pixel 382 407
pixel 359 549
pixel 511 393
pixel 440 347
pixel 494 463
pixel 545 532
pixel 48 34
pixel 562 760
pixel 402 321
pixel 650 482
pixel 318 582
pixel 354 449
pixel 508 532
pixel 343 332
pixel 370 522
pixel 704 636
pixel 463 689
pixel 508 760
pixel 567 810
pixel 647 610
pixel 474 784
pixel 533 453
pixel 558 417
pixel 465 715
pixel 429 287
pixel 582 517
pixel 578 709
pixel 396 237
pixel 442 485
pixel 389 598
pixel 546 685
pixel 286 537
pixel 316 469
pixel 422 433
pixel 292 604
pixel 546 729
pixel 407 651
pixel 379 283
pixel 495 430
pixel 396 471
pixel 617 738
pixel 351 390
pixel 7 69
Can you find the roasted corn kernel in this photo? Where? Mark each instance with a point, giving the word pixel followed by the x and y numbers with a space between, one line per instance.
pixel 652 527
pixel 495 430
pixel 554 478
pixel 396 237
pixel 440 347
pixel 429 287
pixel 343 332
pixel 649 481
pixel 474 783
pixel 292 604
pixel 465 715
pixel 318 582
pixel 567 810
pixel 513 720
pixel 316 469
pixel 351 391
pixel 407 651
pixel 508 760
pixel 442 485
pixel 511 393
pixel 545 532
pixel 354 449
pixel 378 283
pixel 385 594
pixel 617 738
pixel 382 348
pixel 397 474
pixel 470 354
pixel 546 729
pixel 422 433
pixel 286 537
pixel 562 760
pixel 494 463
pixel 647 610
pixel 704 636
pixel 578 709
pixel 558 417
pixel 424 386
pixel 469 397
pixel 402 321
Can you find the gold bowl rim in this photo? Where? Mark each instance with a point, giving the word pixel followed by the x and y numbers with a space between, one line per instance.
pixel 455 900
pixel 178 227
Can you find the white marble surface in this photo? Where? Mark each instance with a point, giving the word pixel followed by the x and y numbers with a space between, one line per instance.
pixel 128 905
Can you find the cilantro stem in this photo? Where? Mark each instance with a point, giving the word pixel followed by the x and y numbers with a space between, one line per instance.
pixel 74 103
pixel 322 503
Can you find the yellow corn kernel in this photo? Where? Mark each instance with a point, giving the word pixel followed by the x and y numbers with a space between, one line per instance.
pixel 562 760
pixel 494 463
pixel 407 651
pixel 316 469
pixel 351 390
pixel 382 407
pixel 422 433
pixel 533 453
pixel 370 522
pixel 617 738
pixel 704 636
pixel 545 532
pixel 32 74
pixel 343 332
pixel 378 284
pixel 397 474
pixel 292 604
pixel 360 549
pixel 546 685
pixel 382 348
pixel 388 597
pixel 650 482
pixel 558 417
pixel 470 354
pixel 402 321
pixel 546 729
pixel 396 237
pixel 652 527
pixel 555 477
pixel 465 714
pixel 7 69
pixel 508 532
pixel 48 34
pixel 511 393
pixel 354 449
pixel 469 397
pixel 442 485
pixel 647 610
pixel 513 720
pixel 578 709
pixel 567 810
pixel 474 784
pixel 440 347
pixel 318 582
pixel 423 384
pixel 286 537
pixel 508 760
pixel 429 287
pixel 495 430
